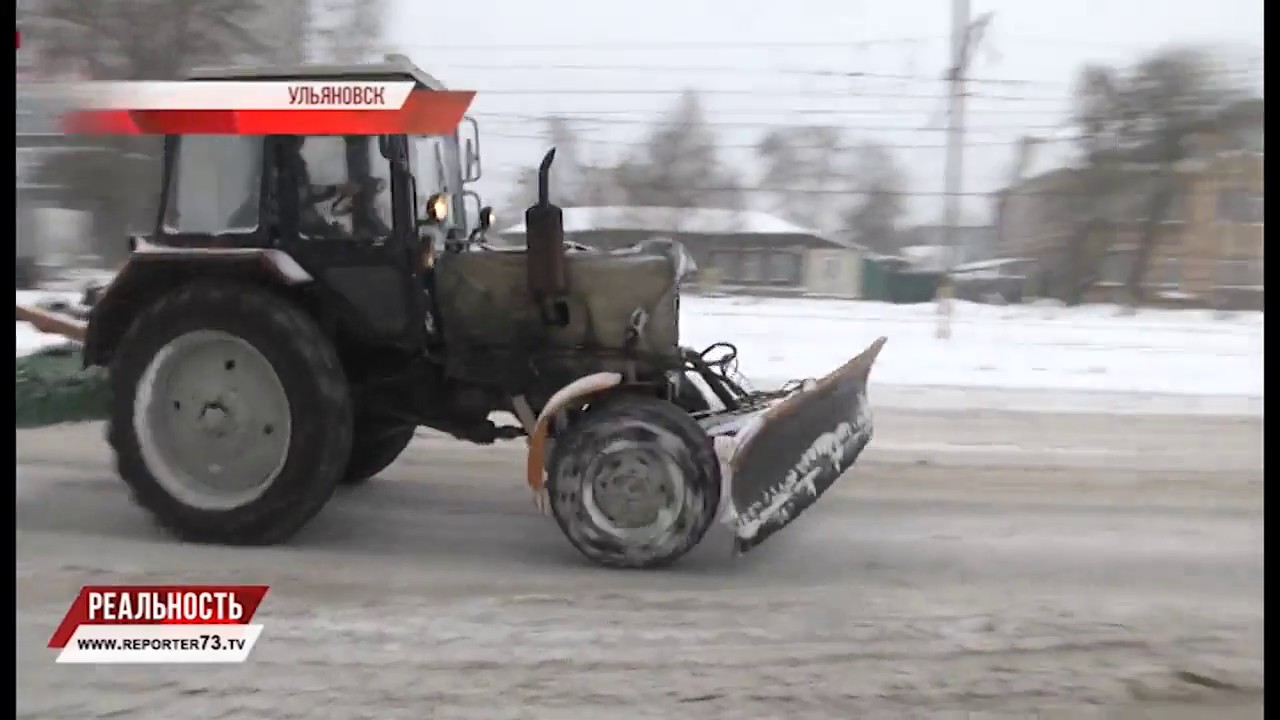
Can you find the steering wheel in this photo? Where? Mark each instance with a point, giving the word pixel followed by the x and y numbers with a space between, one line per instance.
pixel 344 199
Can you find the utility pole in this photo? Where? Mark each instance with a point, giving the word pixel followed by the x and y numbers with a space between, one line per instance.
pixel 965 35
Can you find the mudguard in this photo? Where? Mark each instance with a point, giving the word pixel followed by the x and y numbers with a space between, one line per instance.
pixel 154 269
pixel 782 459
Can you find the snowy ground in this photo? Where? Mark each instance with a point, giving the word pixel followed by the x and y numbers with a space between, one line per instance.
pixel 28 339
pixel 975 560
pixel 1004 564
pixel 1066 358
pixel 1017 357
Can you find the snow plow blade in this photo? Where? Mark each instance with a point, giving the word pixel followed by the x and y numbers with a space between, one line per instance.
pixel 789 455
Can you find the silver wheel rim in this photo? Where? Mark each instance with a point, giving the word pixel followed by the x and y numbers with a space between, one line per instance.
pixel 634 491
pixel 212 420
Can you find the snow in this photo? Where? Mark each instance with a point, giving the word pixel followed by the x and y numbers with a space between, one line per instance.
pixel 673 220
pixel 1031 354
pixel 30 340
pixel 986 268
pixel 1091 358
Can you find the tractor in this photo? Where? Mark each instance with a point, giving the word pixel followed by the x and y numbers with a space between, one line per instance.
pixel 304 304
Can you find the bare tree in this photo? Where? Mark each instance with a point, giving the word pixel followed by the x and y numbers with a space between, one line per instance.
pixel 348 31
pixel 143 39
pixel 572 184
pixel 800 165
pixel 879 183
pixel 1086 201
pixel 116 180
pixel 1137 125
pixel 679 164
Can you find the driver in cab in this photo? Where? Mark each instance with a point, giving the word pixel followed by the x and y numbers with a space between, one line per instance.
pixel 312 219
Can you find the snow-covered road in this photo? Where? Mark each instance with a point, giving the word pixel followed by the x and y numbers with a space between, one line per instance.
pixel 978 561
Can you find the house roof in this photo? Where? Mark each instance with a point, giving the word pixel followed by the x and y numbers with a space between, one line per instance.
pixel 985 265
pixel 682 221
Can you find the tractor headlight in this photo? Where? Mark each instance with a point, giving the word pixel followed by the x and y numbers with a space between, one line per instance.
pixel 438 207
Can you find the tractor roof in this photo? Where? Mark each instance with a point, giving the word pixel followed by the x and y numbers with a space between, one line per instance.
pixel 394 67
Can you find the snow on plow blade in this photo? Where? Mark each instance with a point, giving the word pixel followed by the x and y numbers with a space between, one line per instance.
pixel 796 449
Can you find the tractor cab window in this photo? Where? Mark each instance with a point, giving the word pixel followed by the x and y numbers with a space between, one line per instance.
pixel 343 184
pixel 215 185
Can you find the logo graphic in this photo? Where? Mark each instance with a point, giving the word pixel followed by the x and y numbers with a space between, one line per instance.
pixel 261 107
pixel 160 624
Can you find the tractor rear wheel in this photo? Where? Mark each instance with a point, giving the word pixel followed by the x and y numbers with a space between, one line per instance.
pixel 230 416
pixel 634 483
pixel 373 450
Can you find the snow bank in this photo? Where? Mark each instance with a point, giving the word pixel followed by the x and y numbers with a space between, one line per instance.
pixel 30 340
pixel 1039 356
pixel 1092 348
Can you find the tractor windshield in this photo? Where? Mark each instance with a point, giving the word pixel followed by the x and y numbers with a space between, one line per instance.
pixel 435 164
pixel 345 187
pixel 214 186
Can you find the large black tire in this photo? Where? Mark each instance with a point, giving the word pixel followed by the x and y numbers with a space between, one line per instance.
pixel 373 451
pixel 305 367
pixel 666 449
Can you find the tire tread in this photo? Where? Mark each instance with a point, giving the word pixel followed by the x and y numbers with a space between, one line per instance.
pixel 657 413
pixel 306 483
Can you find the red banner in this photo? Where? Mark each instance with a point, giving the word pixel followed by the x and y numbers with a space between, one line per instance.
pixel 424 113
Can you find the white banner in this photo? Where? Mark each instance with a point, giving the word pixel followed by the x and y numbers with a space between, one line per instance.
pixel 154 644
pixel 239 95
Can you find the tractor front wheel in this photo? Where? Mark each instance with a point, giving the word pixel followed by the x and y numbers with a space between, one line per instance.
pixel 634 483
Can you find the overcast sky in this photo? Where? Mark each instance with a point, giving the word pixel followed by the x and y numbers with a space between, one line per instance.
pixel 762 63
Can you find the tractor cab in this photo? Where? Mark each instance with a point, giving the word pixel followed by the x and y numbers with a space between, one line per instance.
pixel 356 212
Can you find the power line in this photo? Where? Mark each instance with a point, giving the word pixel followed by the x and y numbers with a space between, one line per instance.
pixel 802 43
pixel 853 191
pixel 845 93
pixel 806 112
pixel 721 69
pixel 655 120
pixel 1100 44
pixel 753 146
pixel 800 72
pixel 767 92
pixel 605 45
